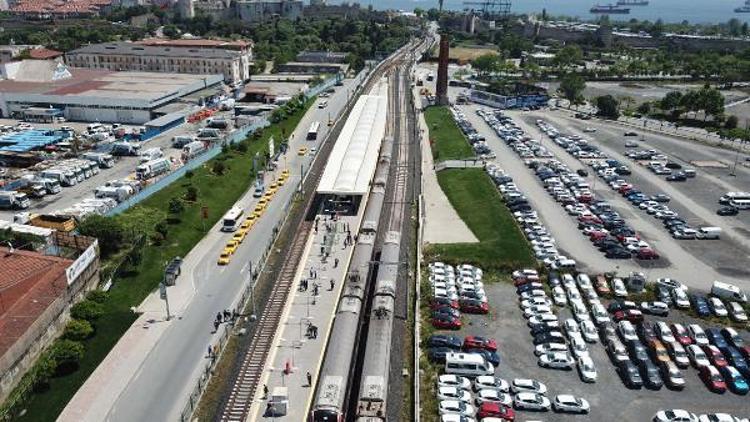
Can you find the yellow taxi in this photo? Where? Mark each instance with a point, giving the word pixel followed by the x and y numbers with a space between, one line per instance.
pixel 259 209
pixel 302 151
pixel 281 181
pixel 239 235
pixel 224 257
pixel 268 196
pixel 273 186
pixel 231 246
pixel 247 224
pixel 285 174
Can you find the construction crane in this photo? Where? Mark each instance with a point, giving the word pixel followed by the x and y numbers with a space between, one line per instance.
pixel 492 9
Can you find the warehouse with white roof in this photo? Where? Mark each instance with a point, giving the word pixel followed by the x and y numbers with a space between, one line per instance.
pixel 354 157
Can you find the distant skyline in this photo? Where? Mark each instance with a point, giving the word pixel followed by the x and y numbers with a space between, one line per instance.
pixel 708 11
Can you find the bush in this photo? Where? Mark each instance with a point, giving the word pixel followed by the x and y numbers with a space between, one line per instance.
pixel 191 194
pixel 242 147
pixel 87 310
pixel 731 122
pixel 66 354
pixel 189 174
pixel 107 229
pixel 176 206
pixel 162 228
pixel 219 168
pixel 78 330
pixel 98 296
pixel 608 107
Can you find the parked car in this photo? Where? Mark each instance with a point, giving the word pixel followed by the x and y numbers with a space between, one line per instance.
pixel 734 380
pixel 531 401
pixel 520 385
pixel 630 374
pixel 566 403
pixel 672 376
pixel 655 308
pixel 651 375
pixel 674 415
pixel 446 322
pixel 495 410
pixel 713 379
pixel 477 342
pixel 488 382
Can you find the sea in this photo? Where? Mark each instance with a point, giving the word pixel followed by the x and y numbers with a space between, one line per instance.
pixel 674 11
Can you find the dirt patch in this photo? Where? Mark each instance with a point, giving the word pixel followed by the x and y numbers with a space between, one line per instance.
pixel 709 164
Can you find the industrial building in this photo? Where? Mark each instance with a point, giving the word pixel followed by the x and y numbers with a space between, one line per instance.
pixel 196 57
pixel 354 157
pixel 96 95
pixel 37 290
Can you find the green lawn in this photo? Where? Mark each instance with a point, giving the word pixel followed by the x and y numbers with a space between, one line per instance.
pixel 501 244
pixel 448 142
pixel 218 193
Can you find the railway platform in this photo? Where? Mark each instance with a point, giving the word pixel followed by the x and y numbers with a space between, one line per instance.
pixel 299 344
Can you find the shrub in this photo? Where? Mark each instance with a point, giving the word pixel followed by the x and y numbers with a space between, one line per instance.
pixel 241 147
pixel 189 174
pixel 87 310
pixel 176 206
pixel 66 354
pixel 162 228
pixel 731 122
pixel 191 194
pixel 98 296
pixel 78 330
pixel 219 168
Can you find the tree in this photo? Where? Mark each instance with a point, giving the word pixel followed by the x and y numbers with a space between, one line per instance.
pixel 87 310
pixel 107 229
pixel 171 31
pixel 731 122
pixel 711 102
pixel 608 107
pixel 219 167
pixel 176 206
pixel 78 329
pixel 433 14
pixel 644 108
pixel 568 56
pixel 486 63
pixel 191 193
pixel 571 87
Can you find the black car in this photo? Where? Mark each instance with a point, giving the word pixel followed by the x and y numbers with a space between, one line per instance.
pixel 443 340
pixel 618 253
pixel 638 352
pixel 677 177
pixel 520 207
pixel 489 356
pixel 631 133
pixel 630 375
pixel 672 165
pixel 726 211
pixel 540 329
pixel 582 172
pixel 617 305
pixel 646 331
pixel 700 304
pixel 525 288
pixel 661 198
pixel 437 354
pixel 651 375
pixel 549 337
pixel 446 310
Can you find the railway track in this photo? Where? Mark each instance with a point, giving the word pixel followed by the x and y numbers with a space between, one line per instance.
pixel 243 387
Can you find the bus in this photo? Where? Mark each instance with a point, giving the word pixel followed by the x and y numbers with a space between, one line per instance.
pixel 312 134
pixel 232 219
pixel 730 196
pixel 740 204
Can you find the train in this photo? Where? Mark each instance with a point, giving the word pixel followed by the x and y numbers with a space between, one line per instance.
pixel 333 385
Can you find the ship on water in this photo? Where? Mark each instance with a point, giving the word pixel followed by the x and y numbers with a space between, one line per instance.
pixel 743 9
pixel 609 9
pixel 632 2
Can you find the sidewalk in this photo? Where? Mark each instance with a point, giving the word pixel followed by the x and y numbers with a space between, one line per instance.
pixel 297 351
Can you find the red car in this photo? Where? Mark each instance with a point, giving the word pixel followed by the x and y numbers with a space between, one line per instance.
pixel 647 253
pixel 633 315
pixel 713 379
pixel 596 235
pixel 474 307
pixel 601 286
pixel 681 335
pixel 476 342
pixel 585 198
pixel 439 302
pixel 446 322
pixel 715 356
pixel 495 410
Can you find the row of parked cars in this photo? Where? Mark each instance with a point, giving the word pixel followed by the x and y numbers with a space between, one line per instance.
pixel 492 399
pixel 455 290
pixel 477 141
pixel 724 302
pixel 680 415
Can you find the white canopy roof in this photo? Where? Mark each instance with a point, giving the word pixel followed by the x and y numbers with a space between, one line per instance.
pixel 351 165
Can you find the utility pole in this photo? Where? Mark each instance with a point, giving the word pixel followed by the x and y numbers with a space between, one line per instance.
pixel 251 281
pixel 164 297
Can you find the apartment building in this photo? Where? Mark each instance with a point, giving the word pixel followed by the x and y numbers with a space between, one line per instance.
pixel 197 57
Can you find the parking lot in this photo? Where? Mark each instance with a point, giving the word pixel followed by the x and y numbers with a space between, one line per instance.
pixel 609 398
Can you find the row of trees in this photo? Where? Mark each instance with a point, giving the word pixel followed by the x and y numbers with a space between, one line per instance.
pixel 707 100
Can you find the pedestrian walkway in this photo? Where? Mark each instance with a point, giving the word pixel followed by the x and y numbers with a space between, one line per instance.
pixel 297 353
pixel 442 222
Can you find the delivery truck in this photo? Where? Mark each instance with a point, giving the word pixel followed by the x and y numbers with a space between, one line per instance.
pixel 180 141
pixel 193 150
pixel 105 161
pixel 728 291
pixel 153 168
pixel 14 200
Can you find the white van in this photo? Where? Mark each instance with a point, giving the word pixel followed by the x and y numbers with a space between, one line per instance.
pixel 728 291
pixel 709 232
pixel 468 364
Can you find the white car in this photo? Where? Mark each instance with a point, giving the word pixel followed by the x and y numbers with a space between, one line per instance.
pixel 578 345
pixel 536 310
pixel 698 335
pixel 627 331
pixel 672 284
pixel 674 415
pixel 453 381
pixel 535 301
pixel 550 320
pixel 531 401
pixel 544 348
pixel 456 418
pixel 589 331
pixel 570 404
pixel 664 332
pixel 493 396
pixel 586 369
pixel 533 293
pixel 527 385
pixel 556 360
pixel 655 308
pixel 698 356
pixel 453 393
pixel 717 307
pixel 488 382
pixel 618 288
pixel 571 326
pixel 558 296
pixel 456 407
pixel 717 417
pixel 589 129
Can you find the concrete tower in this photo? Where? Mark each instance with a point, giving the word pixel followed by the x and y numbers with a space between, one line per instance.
pixel 442 73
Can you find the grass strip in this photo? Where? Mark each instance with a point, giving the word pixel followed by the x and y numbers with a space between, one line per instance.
pixel 448 142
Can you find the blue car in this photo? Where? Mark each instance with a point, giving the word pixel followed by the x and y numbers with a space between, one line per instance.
pixel 489 356
pixel 442 340
pixel 701 306
pixel 735 381
pixel 717 339
pixel 734 357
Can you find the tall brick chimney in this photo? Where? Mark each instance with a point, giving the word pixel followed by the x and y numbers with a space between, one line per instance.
pixel 442 74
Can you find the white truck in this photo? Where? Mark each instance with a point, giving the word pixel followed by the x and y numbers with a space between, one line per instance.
pixel 63 176
pixel 117 193
pixel 14 200
pixel 728 291
pixel 193 150
pixel 180 141
pixel 709 232
pixel 153 168
pixel 209 133
pixel 151 154
pixel 125 148
pixel 105 161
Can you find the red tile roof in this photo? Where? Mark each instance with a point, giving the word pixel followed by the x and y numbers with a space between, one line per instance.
pixel 197 43
pixel 29 283
pixel 44 53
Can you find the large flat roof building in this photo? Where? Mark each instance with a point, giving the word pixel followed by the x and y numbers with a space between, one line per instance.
pixel 197 57
pixel 97 95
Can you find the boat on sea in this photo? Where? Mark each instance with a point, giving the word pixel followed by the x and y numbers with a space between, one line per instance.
pixel 632 2
pixel 609 9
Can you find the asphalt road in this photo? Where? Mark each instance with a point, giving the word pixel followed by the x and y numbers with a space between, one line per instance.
pixel 161 386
